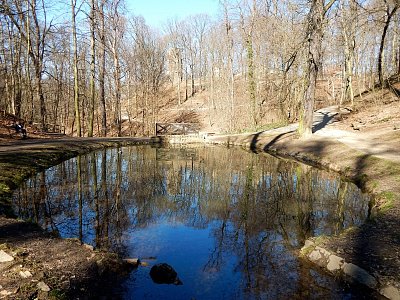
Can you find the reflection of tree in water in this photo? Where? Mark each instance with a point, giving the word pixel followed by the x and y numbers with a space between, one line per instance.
pixel 258 207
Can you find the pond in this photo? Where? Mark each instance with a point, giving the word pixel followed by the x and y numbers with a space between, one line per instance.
pixel 230 222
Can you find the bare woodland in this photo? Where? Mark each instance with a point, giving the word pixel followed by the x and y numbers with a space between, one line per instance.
pixel 99 70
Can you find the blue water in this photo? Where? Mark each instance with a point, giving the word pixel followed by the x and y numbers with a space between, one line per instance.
pixel 229 222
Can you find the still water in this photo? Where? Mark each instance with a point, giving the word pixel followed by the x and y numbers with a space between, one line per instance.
pixel 230 222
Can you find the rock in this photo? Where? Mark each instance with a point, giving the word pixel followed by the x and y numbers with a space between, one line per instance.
pixel 334 263
pixel 323 252
pixel 25 274
pixel 5 293
pixel 112 264
pixel 319 256
pixel 4 257
pixel 359 275
pixel 315 256
pixel 396 126
pixel 308 243
pixel 89 247
pixel 390 292
pixel 357 126
pixel 132 261
pixel 164 273
pixel 43 287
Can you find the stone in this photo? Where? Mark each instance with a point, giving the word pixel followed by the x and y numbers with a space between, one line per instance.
pixel 43 287
pixel 334 263
pixel 4 257
pixel 5 293
pixel 315 256
pixel 359 275
pixel 89 247
pixel 390 292
pixel 164 273
pixel 308 243
pixel 25 274
pixel 133 261
pixel 323 252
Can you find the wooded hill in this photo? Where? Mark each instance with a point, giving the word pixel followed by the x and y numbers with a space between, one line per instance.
pixel 97 69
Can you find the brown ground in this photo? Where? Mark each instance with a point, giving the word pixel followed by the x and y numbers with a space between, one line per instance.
pixel 362 145
pixel 69 269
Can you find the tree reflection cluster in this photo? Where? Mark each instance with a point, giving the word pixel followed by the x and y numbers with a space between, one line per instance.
pixel 259 208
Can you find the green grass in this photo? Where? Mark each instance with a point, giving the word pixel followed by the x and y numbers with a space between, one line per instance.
pixel 389 199
pixel 58 294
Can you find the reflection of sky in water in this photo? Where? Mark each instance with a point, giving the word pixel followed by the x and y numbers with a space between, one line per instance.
pixel 187 250
pixel 229 222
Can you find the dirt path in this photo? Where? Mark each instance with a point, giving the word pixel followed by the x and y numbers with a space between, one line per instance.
pixel 370 142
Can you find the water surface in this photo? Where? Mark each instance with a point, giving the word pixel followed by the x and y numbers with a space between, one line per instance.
pixel 230 222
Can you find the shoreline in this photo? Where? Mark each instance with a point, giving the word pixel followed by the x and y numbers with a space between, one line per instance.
pixel 67 269
pixel 22 159
pixel 342 255
pixel 372 174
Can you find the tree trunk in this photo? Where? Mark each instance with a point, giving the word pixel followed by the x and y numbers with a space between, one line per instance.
pixel 92 69
pixel 251 80
pixel 102 70
pixel 76 84
pixel 348 33
pixel 389 15
pixel 117 75
pixel 314 41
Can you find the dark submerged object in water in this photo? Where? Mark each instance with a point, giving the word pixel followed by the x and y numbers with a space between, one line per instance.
pixel 164 273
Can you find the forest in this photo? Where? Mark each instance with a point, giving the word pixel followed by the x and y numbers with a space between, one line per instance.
pixel 97 69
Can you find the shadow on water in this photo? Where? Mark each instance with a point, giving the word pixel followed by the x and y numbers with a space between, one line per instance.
pixel 220 217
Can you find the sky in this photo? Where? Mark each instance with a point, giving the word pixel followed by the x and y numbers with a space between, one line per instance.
pixel 157 12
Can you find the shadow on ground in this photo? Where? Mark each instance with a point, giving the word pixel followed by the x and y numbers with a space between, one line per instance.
pixel 375 245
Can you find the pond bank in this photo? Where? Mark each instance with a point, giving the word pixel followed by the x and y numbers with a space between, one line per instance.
pixel 38 264
pixel 20 160
pixel 68 268
pixel 375 246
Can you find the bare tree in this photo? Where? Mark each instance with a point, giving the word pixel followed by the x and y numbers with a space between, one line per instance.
pixel 34 38
pixel 348 22
pixel 390 11
pixel 117 34
pixel 102 36
pixel 92 18
pixel 314 34
pixel 76 85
